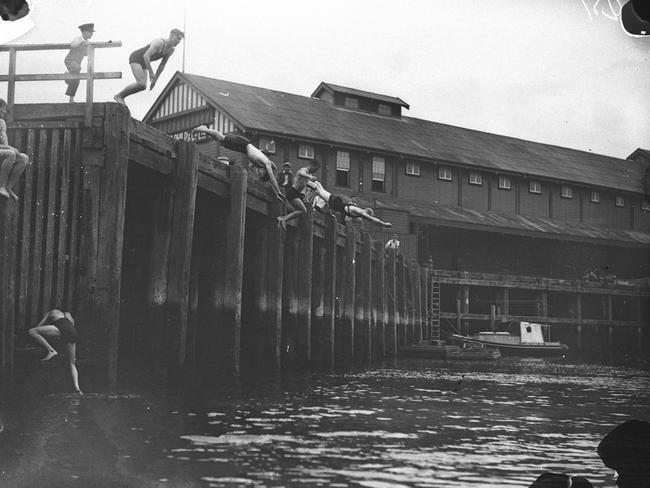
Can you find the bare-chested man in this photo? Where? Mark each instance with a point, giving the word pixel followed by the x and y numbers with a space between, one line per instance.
pixel 294 193
pixel 141 59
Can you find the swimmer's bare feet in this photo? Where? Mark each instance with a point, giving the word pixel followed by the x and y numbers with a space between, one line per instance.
pixel 50 355
pixel 13 195
pixel 119 99
pixel 4 192
pixel 282 224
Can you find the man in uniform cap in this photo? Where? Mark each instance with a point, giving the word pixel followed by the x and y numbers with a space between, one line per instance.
pixel 140 61
pixel 78 51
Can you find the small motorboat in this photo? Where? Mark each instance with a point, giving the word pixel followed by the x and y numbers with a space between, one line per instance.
pixel 442 350
pixel 530 342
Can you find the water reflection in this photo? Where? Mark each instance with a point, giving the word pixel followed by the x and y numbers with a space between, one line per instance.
pixel 415 424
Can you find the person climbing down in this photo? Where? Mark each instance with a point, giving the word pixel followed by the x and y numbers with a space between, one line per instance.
pixel 238 143
pixel 56 324
pixel 336 204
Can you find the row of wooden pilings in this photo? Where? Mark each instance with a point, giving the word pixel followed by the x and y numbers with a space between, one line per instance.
pixel 204 274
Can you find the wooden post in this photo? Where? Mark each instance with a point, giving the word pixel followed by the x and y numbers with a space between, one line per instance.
pixel 8 252
pixel 329 292
pixel 105 312
pixel 61 249
pixel 350 294
pixel 90 86
pixel 493 313
pixel 233 279
pixel 51 215
pixel 393 314
pixel 579 318
pixel 274 291
pixel 382 310
pixel 11 86
pixel 35 309
pixel 362 337
pixel 318 275
pixel 506 301
pixel 403 319
pixel 304 285
pixel 180 252
pixel 544 299
pixel 417 297
pixel 466 307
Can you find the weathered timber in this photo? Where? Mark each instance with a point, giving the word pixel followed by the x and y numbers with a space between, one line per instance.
pixel 303 286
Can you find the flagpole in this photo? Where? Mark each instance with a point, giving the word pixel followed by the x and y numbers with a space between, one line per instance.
pixel 184 40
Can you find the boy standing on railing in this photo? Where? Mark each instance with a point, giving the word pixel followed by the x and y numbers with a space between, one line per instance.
pixel 78 51
pixel 12 161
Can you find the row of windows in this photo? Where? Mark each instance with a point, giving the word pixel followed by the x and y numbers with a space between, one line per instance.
pixel 413 169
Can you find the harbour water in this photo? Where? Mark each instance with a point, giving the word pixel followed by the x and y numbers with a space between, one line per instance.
pixel 402 424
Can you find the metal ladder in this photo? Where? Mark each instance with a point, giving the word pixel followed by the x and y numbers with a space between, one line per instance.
pixel 434 310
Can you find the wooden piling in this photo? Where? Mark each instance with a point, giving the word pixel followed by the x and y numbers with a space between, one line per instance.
pixel 393 313
pixel 417 298
pixel 317 304
pixel 304 286
pixel 233 278
pixel 362 328
pixel 382 311
pixel 182 224
pixel 8 251
pixel 329 292
pixel 348 334
pixel 274 291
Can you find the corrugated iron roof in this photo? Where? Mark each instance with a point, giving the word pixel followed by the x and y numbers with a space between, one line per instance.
pixel 292 115
pixel 492 221
pixel 360 93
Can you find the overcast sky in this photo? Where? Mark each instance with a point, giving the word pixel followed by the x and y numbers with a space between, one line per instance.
pixel 554 71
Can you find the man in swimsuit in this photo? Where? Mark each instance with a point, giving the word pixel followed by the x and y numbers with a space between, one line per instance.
pixel 12 161
pixel 141 59
pixel 78 51
pixel 294 192
pixel 238 143
pixel 336 204
pixel 58 325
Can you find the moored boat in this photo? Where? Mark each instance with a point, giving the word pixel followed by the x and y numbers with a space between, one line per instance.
pixel 530 342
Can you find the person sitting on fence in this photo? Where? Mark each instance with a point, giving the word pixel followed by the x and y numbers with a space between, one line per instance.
pixel 295 192
pixel 348 209
pixel 56 324
pixel 140 61
pixel 78 51
pixel 236 142
pixel 12 161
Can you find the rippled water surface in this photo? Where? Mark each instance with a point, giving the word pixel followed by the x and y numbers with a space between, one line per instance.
pixel 408 424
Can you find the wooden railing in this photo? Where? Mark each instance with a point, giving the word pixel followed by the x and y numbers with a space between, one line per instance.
pixel 90 75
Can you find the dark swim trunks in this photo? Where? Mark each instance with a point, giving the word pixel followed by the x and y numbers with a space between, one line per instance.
pixel 235 142
pixel 137 56
pixel 68 332
pixel 292 194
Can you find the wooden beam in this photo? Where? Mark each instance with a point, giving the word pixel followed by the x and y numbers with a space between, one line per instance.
pixel 329 292
pixel 382 310
pixel 108 75
pixel 233 278
pixel 180 257
pixel 363 322
pixel 393 313
pixel 55 46
pixel 51 216
pixel 274 291
pixel 347 335
pixel 304 286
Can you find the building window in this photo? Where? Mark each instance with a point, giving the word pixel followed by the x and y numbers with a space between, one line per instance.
pixel 567 191
pixel 505 183
pixel 535 187
pixel 412 168
pixel 595 197
pixel 475 178
pixel 306 151
pixel 378 173
pixel 267 144
pixel 384 109
pixel 342 168
pixel 351 102
pixel 444 174
pixel 620 201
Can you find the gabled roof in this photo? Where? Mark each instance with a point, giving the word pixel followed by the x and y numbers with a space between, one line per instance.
pixel 359 93
pixel 285 114
pixel 644 153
